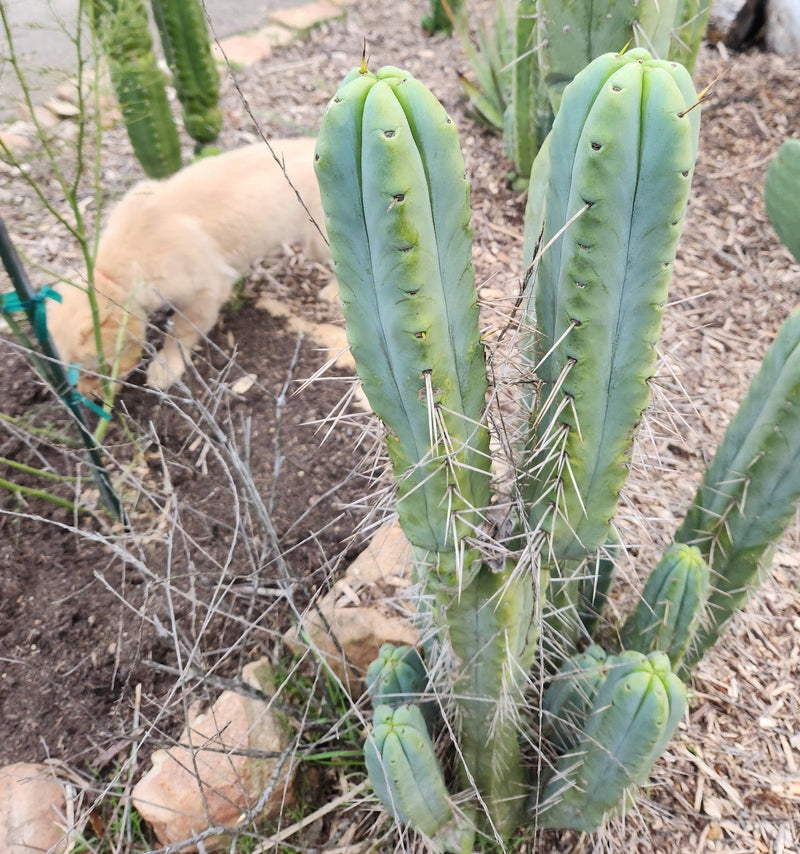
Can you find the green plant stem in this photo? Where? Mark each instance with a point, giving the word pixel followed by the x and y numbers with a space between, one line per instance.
pixel 49 475
pixel 30 492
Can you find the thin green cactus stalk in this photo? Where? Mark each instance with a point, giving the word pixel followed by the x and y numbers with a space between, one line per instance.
pixel 782 195
pixel 636 709
pixel 625 137
pixel 123 31
pixel 576 33
pixel 691 19
pixel 749 492
pixel 184 37
pixel 668 615
pixel 442 14
pixel 529 116
pixel 396 199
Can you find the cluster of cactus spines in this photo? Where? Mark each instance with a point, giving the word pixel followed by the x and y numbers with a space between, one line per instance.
pixel 626 135
pixel 184 38
pixel 782 195
pixel 691 19
pixel 635 710
pixel 396 198
pixel 404 770
pixel 672 605
pixel 748 494
pixel 124 33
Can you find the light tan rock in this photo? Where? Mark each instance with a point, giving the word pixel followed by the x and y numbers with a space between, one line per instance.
pixel 32 807
pixel 211 777
pixel 14 144
pixel 242 50
pixel 308 16
pixel 363 610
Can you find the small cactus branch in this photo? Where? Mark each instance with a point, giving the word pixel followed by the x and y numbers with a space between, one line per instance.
pixel 750 489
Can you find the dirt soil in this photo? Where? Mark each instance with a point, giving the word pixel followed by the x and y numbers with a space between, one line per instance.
pixel 107 635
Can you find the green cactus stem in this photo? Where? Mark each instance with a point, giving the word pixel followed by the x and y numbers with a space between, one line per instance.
pixel 672 604
pixel 635 712
pixel 492 632
pixel 626 136
pixel 396 677
pixel 529 116
pixel 441 17
pixel 139 83
pixel 184 37
pixel 748 494
pixel 396 202
pixel 782 195
pixel 404 770
pixel 570 695
pixel 577 33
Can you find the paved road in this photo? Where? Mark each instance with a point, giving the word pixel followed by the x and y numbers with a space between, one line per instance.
pixel 47 54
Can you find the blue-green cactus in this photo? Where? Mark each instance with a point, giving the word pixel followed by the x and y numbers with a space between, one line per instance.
pixel 636 709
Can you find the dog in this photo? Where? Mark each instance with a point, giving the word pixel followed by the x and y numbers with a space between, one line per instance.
pixel 183 243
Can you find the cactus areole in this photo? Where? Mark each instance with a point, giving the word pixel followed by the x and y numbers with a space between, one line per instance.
pixel 396 202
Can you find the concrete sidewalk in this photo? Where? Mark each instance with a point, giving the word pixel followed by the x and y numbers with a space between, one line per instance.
pixel 47 54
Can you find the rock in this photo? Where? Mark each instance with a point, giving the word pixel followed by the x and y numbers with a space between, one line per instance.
pixel 362 612
pixel 180 803
pixel 242 50
pixel 307 17
pixel 17 145
pixel 62 109
pixel 32 806
pixel 783 27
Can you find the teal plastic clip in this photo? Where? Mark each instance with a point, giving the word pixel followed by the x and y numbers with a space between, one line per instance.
pixel 13 303
pixel 72 378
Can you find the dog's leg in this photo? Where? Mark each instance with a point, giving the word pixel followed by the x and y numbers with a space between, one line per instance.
pixel 189 325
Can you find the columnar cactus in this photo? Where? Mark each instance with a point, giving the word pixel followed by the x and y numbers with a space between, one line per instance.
pixel 668 616
pixel 124 33
pixel 607 197
pixel 637 707
pixel 184 37
pixel 599 292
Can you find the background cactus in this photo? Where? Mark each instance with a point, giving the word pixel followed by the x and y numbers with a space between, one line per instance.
pixel 782 195
pixel 184 38
pixel 123 32
pixel 545 43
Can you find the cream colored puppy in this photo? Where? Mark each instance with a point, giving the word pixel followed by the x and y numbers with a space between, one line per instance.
pixel 183 243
